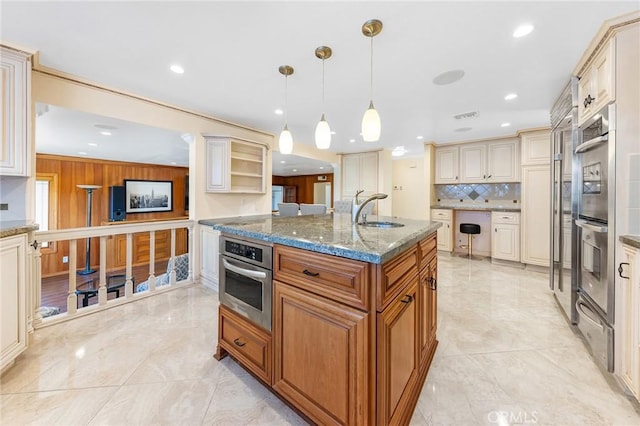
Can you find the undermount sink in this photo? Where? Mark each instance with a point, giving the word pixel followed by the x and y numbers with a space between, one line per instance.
pixel 382 224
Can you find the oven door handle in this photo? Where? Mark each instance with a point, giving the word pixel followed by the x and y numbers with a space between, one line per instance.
pixel 587 316
pixel 591 143
pixel 586 225
pixel 242 271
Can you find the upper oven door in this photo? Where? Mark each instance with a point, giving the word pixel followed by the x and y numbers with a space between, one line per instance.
pixel 595 183
pixel 246 289
pixel 593 262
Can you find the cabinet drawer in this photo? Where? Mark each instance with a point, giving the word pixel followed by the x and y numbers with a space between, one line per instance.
pixel 428 249
pixel 505 217
pixel 339 279
pixel 246 342
pixel 395 275
pixel 441 214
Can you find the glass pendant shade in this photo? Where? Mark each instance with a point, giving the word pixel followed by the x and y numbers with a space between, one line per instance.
pixel 323 134
pixel 285 143
pixel 371 125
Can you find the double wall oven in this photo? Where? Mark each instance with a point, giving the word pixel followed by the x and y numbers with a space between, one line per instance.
pixel 595 302
pixel 246 279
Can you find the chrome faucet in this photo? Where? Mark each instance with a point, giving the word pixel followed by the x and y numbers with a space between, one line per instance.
pixel 356 207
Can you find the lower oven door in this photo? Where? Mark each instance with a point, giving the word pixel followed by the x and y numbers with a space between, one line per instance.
pixel 593 278
pixel 246 289
pixel 596 331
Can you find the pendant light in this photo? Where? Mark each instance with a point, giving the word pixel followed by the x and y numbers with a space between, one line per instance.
pixel 371 120
pixel 285 143
pixel 323 131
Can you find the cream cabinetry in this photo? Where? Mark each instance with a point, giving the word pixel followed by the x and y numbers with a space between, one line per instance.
pixel 597 84
pixel 209 250
pixel 535 218
pixel 478 163
pixel 13 303
pixel 447 169
pixel 15 69
pixel 235 165
pixel 505 240
pixel 445 232
pixel 630 333
pixel 359 173
pixel 535 148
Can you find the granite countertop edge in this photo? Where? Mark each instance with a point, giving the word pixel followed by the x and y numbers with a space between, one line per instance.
pixel 16 227
pixel 631 240
pixel 478 208
pixel 325 248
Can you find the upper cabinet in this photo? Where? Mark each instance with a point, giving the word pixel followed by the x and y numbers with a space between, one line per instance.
pixel 482 162
pixel 235 165
pixel 15 68
pixel 359 173
pixel 597 83
pixel 536 149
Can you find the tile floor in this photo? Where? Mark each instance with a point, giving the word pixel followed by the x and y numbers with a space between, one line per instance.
pixel 506 356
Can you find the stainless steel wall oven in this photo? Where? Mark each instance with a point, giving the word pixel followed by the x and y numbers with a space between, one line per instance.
pixel 246 279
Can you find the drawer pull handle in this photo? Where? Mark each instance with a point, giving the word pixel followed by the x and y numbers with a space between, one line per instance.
pixel 620 269
pixel 506 217
pixel 239 343
pixel 311 274
pixel 434 283
pixel 407 299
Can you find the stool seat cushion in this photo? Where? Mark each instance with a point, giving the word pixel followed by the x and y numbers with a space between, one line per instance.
pixel 469 228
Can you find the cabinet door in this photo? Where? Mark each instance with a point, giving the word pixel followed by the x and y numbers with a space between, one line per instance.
pixel 473 163
pixel 13 317
pixel 630 333
pixel 15 112
pixel 585 91
pixel 536 148
pixel 369 172
pixel 447 165
pixel 535 219
pixel 445 236
pixel 350 175
pixel 209 249
pixel 333 338
pixel 218 170
pixel 398 355
pixel 505 243
pixel 433 299
pixel 603 77
pixel 427 308
pixel 503 162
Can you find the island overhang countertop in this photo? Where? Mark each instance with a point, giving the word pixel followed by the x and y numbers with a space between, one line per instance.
pixel 330 234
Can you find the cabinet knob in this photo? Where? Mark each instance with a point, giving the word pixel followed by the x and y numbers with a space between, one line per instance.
pixel 434 283
pixel 489 177
pixel 407 299
pixel 620 269
pixel 239 343
pixel 495 229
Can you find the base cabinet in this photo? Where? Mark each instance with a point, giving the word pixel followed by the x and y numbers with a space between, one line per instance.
pixel 13 286
pixel 630 327
pixel 505 241
pixel 209 261
pixel 428 308
pixel 445 232
pixel 321 356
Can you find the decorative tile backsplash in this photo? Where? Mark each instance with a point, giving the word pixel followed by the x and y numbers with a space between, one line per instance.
pixel 479 192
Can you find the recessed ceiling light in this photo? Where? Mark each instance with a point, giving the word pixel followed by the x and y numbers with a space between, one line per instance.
pixel 105 126
pixel 279 111
pixel 295 170
pixel 321 168
pixel 282 162
pixel 177 69
pixel 463 129
pixel 505 125
pixel 448 77
pixel 82 153
pixel 511 96
pixel 419 137
pixel 352 140
pixel 92 144
pixel 360 133
pixel 333 132
pixel 398 151
pixel 104 132
pixel 523 30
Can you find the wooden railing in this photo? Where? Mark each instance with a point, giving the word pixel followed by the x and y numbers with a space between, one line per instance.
pixel 104 233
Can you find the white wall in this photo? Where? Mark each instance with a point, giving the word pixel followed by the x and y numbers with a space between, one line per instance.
pixel 13 192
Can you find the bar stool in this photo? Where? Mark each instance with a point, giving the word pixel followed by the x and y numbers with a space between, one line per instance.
pixel 469 229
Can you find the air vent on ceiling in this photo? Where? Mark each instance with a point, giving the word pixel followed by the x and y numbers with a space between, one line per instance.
pixel 466 115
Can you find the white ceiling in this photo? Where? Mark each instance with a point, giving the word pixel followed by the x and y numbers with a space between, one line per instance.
pixel 293 165
pixel 231 52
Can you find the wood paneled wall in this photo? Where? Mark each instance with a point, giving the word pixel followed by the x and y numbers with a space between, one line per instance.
pixel 304 184
pixel 72 201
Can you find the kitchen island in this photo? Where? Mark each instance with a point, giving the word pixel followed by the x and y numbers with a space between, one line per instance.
pixel 354 314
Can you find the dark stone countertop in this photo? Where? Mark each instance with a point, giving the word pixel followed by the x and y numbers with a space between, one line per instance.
pixel 9 228
pixel 330 234
pixel 631 240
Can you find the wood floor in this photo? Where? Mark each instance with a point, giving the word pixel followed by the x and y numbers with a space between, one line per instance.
pixel 56 289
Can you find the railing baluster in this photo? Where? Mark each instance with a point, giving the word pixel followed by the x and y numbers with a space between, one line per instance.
pixel 102 290
pixel 72 298
pixel 128 285
pixel 172 274
pixel 152 261
pixel 190 250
